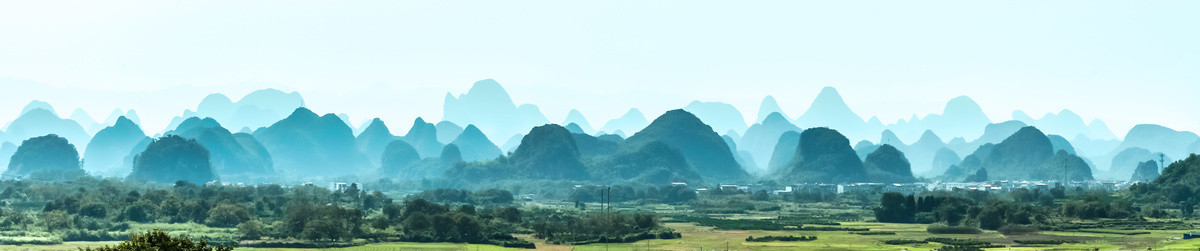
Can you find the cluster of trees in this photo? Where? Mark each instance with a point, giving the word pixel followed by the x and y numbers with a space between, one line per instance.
pixel 896 207
pixel 419 220
pixel 1019 208
pixel 89 209
pixel 159 240
pixel 1178 183
pixel 563 227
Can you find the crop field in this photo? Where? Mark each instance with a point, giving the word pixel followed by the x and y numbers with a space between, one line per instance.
pixel 708 238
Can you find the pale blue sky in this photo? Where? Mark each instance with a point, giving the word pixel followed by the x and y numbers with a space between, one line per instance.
pixel 1126 62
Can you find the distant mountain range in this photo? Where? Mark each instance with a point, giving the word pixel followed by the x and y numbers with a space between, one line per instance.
pixel 483 131
pixel 488 106
pixel 257 109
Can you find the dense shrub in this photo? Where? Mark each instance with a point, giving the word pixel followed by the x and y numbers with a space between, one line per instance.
pixel 904 242
pixel 943 229
pixel 958 242
pixel 1041 242
pixel 1017 229
pixel 780 238
pixel 874 233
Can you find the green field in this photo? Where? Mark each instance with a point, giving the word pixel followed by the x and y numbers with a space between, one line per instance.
pixel 706 238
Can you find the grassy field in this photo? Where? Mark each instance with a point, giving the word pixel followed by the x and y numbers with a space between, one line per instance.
pixel 706 238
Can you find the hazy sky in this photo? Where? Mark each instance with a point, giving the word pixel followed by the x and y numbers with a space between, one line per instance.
pixel 1126 62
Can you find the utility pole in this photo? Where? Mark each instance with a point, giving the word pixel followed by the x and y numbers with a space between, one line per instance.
pixel 609 188
pixel 1162 162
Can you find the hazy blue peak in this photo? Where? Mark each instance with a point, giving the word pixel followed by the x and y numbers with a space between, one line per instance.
pixel 302 113
pixel 929 136
pixel 775 118
pixel 962 104
pixel 1097 129
pixel 487 86
pixel 488 106
pixel 1148 128
pixel 863 144
pixel 125 122
pixel 1061 144
pixel 473 145
pixel 376 121
pixel 132 116
pixel 1069 114
pixel 259 108
pixel 378 126
pixel 447 131
pixel 193 122
pixel 81 116
pixel 422 129
pixel 829 99
pixel 1003 129
pixel 448 123
pixel 632 121
pixel 1160 139
pixel 574 128
pixel 273 99
pixel 531 113
pixel 875 120
pixel 889 137
pixel 336 120
pixel 721 116
pixel 829 90
pixel 965 112
pixel 767 107
pixel 961 117
pixel 1020 115
pixel 634 114
pixel 733 134
pixel 829 110
pixel 471 130
pixel 39 115
pixel 38 104
pixel 634 111
pixel 112 116
pixel 487 90
pixel 575 116
pixel 214 103
pixel 216 98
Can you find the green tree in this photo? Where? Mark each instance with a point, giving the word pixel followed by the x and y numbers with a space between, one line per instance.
pixel 57 220
pixel 226 215
pixel 895 207
pixel 251 230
